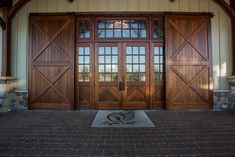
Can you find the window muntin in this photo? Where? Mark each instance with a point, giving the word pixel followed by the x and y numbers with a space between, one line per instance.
pixel 108 63
pixel 135 63
pixel 159 63
pixel 120 28
pixel 83 64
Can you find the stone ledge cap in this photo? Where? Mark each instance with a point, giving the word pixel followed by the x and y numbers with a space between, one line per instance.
pixel 231 78
pixel 7 78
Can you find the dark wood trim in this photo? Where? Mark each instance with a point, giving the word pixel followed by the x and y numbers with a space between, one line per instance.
pixel 5 3
pixel 2 23
pixel 17 7
pixel 232 3
pixel 226 7
pixel 6 41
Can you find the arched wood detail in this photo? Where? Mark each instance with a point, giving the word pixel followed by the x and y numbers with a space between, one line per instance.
pixel 2 23
pixel 226 7
pixel 16 7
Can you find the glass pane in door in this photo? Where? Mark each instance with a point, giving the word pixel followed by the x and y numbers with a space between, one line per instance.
pixel 83 64
pixel 135 63
pixel 108 63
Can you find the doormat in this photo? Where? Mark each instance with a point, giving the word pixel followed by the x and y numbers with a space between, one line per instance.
pixel 121 119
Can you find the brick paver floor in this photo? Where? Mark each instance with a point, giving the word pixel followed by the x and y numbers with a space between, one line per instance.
pixel 68 133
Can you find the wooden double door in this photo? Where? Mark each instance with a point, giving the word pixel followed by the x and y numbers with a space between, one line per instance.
pixel 117 75
pixel 121 74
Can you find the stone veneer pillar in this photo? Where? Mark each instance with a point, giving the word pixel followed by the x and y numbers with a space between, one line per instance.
pixel 11 99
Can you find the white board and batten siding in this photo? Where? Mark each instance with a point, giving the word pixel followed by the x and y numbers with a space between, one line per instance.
pixel 221 28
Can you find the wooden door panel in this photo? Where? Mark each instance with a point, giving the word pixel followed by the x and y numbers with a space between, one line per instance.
pixel 136 93
pixel 84 94
pixel 51 61
pixel 107 74
pixel 187 62
pixel 84 76
pixel 136 74
pixel 157 76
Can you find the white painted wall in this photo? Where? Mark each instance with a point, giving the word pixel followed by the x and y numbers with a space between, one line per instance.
pixel 221 28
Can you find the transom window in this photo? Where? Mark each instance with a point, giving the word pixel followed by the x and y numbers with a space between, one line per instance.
pixel 120 28
pixel 158 29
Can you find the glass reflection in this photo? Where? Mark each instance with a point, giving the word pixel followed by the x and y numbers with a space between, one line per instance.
pixel 114 59
pixel 101 68
pixel 128 50
pixel 135 59
pixel 80 50
pixel 114 50
pixel 128 59
pixel 108 59
pixel 101 50
pixel 101 59
pixel 80 60
pixel 128 68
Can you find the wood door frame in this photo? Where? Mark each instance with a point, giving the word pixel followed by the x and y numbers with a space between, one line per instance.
pixel 160 105
pixel 92 16
pixel 92 76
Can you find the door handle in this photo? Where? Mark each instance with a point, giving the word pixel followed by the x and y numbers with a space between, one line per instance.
pixel 121 86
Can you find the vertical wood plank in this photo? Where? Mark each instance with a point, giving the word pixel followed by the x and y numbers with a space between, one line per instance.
pixel 72 6
pixel 31 6
pixel 193 5
pixel 174 6
pixel 123 5
pixel 225 39
pixel 83 5
pixel 103 5
pixel 93 5
pixel 163 5
pixel 62 6
pixel 52 5
pixel 153 5
pixel 132 5
pixel 215 39
pixel 184 5
pixel 114 5
pixel 21 71
pixel 142 5
pixel 14 44
pixel 42 6
pixel 203 5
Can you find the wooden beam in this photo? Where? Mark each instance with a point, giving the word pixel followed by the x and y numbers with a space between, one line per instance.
pixel 2 23
pixel 6 40
pixel 232 4
pixel 16 7
pixel 5 3
pixel 226 7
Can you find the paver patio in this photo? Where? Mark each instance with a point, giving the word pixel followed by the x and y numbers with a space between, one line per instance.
pixel 68 133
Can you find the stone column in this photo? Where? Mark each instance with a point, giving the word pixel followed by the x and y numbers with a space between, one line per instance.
pixel 7 86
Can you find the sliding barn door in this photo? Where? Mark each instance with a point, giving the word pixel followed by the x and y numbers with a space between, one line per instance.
pixel 51 62
pixel 188 64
